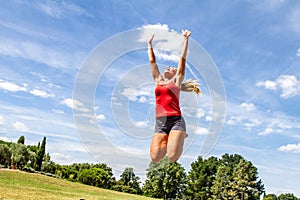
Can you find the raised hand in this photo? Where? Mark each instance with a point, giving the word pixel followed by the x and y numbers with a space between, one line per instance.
pixel 186 33
pixel 150 39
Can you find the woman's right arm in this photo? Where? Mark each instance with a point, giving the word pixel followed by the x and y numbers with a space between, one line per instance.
pixel 154 68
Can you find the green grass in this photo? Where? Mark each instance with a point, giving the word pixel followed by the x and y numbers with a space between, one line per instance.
pixel 15 184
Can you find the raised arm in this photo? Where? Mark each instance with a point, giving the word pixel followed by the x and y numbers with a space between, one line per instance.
pixel 154 68
pixel 182 60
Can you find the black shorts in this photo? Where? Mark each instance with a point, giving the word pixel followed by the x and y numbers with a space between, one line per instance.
pixel 166 124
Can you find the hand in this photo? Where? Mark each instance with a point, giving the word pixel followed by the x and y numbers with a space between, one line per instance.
pixel 186 33
pixel 150 39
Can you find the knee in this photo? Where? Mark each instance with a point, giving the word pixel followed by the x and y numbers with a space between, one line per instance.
pixel 173 156
pixel 156 157
pixel 156 160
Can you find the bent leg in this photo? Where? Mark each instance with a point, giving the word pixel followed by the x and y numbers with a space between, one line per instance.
pixel 175 144
pixel 158 148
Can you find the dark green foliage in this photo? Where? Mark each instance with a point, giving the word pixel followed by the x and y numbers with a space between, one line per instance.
pixel 230 177
pixel 5 155
pixel 21 140
pixel 201 177
pixel 236 179
pixel 165 180
pixel 270 197
pixel 287 196
pixel 40 155
pixel 96 177
pixel 129 182
pixel 19 155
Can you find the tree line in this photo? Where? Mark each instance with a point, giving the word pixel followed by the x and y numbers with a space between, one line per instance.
pixel 228 177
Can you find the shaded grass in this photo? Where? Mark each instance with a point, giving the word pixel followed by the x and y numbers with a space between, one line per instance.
pixel 16 184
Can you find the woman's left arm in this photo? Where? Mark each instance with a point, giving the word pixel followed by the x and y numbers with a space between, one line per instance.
pixel 182 60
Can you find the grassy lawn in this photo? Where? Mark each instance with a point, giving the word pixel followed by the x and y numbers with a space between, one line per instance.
pixel 16 184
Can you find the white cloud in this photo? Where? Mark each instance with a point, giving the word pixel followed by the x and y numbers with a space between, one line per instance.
pixel 165 48
pixel 19 126
pixel 74 104
pixel 271 85
pixel 298 52
pixel 288 84
pixel 200 113
pixel 12 87
pixel 100 117
pixel 201 131
pixel 208 118
pixel 164 55
pixel 248 106
pixel 41 93
pixel 251 124
pixel 142 124
pixel 234 120
pixel 272 128
pixel 140 95
pixel 295 148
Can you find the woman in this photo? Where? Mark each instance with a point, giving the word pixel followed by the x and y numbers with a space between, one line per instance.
pixel 170 129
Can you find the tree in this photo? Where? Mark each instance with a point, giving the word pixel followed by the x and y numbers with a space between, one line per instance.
pixel 237 179
pixel 96 177
pixel 270 197
pixel 245 184
pixel 165 180
pixel 21 140
pixel 19 155
pixel 201 177
pixel 40 155
pixel 131 181
pixel 5 155
pixel 287 196
pixel 221 188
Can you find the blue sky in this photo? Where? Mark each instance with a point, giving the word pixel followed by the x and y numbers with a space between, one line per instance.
pixel 77 73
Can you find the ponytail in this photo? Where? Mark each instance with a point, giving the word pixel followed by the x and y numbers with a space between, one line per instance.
pixel 191 85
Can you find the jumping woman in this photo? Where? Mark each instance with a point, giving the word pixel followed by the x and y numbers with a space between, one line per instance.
pixel 170 129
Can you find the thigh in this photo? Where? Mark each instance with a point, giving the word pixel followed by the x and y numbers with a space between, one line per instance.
pixel 159 141
pixel 158 148
pixel 175 144
pixel 176 140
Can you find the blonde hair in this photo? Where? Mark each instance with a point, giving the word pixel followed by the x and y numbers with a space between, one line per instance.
pixel 191 85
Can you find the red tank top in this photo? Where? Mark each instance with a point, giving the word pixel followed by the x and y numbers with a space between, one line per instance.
pixel 167 100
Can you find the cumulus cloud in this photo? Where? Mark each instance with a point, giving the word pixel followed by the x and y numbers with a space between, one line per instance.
pixel 139 95
pixel 289 85
pixel 248 106
pixel 275 126
pixel 100 117
pixel 251 124
pixel 40 93
pixel 12 87
pixel 165 48
pixel 142 124
pixel 234 120
pixel 298 52
pixel 295 148
pixel 74 104
pixel 201 131
pixel 19 126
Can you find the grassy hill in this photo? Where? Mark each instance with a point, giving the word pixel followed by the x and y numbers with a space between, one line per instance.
pixel 15 184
